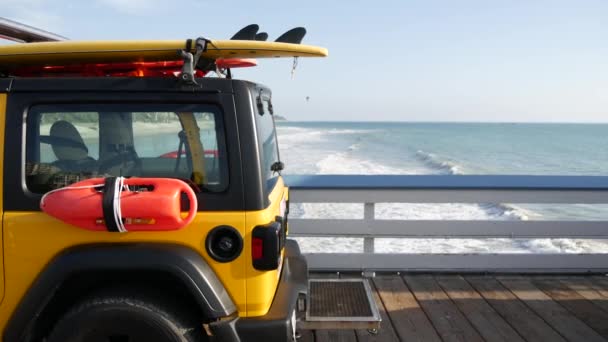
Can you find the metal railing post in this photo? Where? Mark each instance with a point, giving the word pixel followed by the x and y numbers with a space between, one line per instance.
pixel 369 217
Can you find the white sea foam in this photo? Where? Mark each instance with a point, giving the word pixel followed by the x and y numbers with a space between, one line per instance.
pixel 293 136
pixel 344 163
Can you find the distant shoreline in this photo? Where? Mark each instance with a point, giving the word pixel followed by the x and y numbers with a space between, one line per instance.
pixel 90 130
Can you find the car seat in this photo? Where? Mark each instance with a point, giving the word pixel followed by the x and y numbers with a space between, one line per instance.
pixel 119 157
pixel 69 148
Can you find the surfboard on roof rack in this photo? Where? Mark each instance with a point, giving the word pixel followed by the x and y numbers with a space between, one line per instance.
pixel 53 53
pixel 151 57
pixel 21 33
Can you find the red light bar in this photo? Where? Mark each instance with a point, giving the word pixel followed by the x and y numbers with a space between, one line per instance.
pixel 133 69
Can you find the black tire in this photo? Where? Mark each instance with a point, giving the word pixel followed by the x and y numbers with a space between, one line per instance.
pixel 128 316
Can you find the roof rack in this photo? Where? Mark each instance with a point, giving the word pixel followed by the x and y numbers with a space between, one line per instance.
pixel 12 30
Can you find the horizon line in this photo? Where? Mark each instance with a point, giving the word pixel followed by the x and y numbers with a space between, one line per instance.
pixel 455 122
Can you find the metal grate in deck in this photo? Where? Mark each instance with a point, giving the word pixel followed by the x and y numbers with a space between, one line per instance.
pixel 339 299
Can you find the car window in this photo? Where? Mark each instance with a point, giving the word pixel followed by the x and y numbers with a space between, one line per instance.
pixel 269 147
pixel 68 143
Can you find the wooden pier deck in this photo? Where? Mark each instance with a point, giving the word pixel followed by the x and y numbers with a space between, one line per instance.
pixel 436 307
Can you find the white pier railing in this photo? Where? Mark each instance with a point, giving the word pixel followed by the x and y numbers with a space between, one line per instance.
pixel 370 190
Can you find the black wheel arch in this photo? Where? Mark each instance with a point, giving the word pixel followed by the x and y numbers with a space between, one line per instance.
pixel 85 266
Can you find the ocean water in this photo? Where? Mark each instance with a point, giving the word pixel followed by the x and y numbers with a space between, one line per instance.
pixel 448 148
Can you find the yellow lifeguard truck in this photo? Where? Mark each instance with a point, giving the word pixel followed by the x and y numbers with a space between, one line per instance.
pixel 73 111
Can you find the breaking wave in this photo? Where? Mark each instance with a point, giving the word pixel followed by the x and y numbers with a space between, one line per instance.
pixel 443 167
pixel 452 168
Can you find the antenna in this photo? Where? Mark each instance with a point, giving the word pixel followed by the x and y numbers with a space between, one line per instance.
pixel 12 30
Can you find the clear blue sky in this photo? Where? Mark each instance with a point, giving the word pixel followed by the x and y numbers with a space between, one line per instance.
pixel 482 60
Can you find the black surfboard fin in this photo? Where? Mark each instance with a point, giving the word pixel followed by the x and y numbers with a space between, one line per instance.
pixel 293 36
pixel 262 36
pixel 246 33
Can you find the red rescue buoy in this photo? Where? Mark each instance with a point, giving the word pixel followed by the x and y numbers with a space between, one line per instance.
pixel 145 204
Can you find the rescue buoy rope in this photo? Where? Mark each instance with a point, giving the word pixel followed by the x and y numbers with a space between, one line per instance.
pixel 118 186
pixel 66 188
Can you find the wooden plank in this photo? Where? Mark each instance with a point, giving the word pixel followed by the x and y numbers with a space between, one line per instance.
pixel 409 320
pixel 585 310
pixel 590 291
pixel 332 335
pixel 490 325
pixel 386 332
pixel 445 316
pixel 335 336
pixel 601 283
pixel 556 315
pixel 528 324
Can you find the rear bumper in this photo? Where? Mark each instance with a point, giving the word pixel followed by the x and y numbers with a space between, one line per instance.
pixel 276 325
